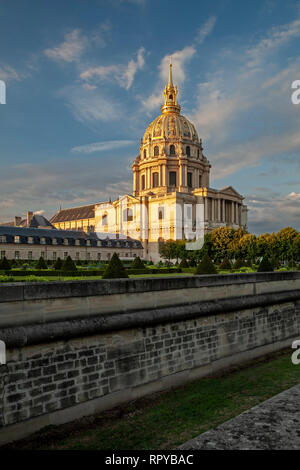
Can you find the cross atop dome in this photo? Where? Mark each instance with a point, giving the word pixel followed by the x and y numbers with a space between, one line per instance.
pixel 170 93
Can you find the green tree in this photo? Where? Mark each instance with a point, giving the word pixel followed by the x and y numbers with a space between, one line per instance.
pixel 58 264
pixel 137 263
pixel 265 266
pixel 4 264
pixel 206 266
pixel 68 265
pixel 41 263
pixel 115 269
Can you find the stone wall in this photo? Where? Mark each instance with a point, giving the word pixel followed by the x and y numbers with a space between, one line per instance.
pixel 63 366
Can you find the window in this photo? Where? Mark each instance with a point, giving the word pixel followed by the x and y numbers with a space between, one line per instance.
pixel 77 256
pixel 98 256
pixel 188 151
pixel 54 241
pixel 2 254
pixel 54 255
pixel 3 239
pixel 160 213
pixel 156 151
pixel 170 97
pixel 98 242
pixel 43 241
pixel 145 153
pixel 154 180
pixel 134 255
pixel 17 255
pixel 29 255
pixel 108 256
pixel 65 255
pixel 198 154
pixel 88 243
pixel 17 239
pixel 30 240
pixel 172 149
pixel 104 219
pixel 172 178
pixel 66 241
pixel 190 180
pixel 77 242
pixel 126 255
pixel 200 181
pixel 143 182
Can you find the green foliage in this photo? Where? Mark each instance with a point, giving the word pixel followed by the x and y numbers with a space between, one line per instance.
pixel 183 263
pixel 69 265
pixel 225 264
pixel 206 266
pixel 137 263
pixel 41 264
pixel 58 264
pixel 265 266
pixel 239 263
pixel 115 269
pixel 4 264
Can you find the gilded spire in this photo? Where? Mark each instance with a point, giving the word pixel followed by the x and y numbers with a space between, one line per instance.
pixel 170 92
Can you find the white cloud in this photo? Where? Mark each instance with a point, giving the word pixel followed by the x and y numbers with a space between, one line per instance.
pixel 179 61
pixel 102 146
pixel 9 73
pixel 206 29
pixel 124 74
pixel 71 49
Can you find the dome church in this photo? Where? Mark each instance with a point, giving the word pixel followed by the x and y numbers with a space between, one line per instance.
pixel 171 183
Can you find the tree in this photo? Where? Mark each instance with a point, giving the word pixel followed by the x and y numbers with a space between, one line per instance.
pixel 221 240
pixel 225 264
pixel 239 263
pixel 58 264
pixel 41 264
pixel 4 264
pixel 115 269
pixel 183 263
pixel 265 266
pixel 137 263
pixel 69 265
pixel 206 266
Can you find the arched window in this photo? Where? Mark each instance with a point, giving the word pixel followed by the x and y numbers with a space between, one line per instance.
pixel 172 178
pixel 198 153
pixel 172 149
pixel 156 151
pixel 145 153
pixel 143 182
pixel 170 97
pixel 188 151
pixel 200 181
pixel 155 180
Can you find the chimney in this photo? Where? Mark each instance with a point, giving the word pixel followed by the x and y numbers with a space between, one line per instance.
pixel 29 218
pixel 18 220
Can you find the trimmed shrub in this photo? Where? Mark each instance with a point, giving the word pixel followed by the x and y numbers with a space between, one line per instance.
pixel 275 263
pixel 225 264
pixel 239 263
pixel 58 264
pixel 68 265
pixel 137 263
pixel 206 266
pixel 4 264
pixel 115 269
pixel 41 264
pixel 183 263
pixel 265 266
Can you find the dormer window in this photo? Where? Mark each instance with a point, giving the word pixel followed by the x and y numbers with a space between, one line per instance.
pixel 98 242
pixel 88 242
pixel 66 241
pixel 54 241
pixel 30 240
pixel 43 241
pixel 3 239
pixel 77 242
pixel 172 149
pixel 17 239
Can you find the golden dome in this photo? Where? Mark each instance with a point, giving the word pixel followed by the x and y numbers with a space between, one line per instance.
pixel 171 125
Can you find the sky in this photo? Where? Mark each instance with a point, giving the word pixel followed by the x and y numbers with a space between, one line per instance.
pixel 85 79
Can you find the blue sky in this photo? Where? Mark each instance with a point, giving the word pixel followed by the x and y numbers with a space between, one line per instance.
pixel 84 80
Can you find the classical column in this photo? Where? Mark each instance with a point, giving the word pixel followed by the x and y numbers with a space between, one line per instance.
pixel 219 210
pixel 232 212
pixel 205 209
pixel 212 209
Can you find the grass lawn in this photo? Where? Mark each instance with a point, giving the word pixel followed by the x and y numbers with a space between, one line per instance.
pixel 166 420
pixel 4 279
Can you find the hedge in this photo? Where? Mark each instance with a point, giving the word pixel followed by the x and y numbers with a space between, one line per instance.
pixel 87 273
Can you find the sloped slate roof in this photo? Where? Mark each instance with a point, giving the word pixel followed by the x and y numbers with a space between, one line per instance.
pixel 76 213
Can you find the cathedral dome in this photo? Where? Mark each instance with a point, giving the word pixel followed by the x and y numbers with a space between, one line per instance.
pixel 171 125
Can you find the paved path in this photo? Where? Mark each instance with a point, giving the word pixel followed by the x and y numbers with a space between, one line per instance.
pixel 274 424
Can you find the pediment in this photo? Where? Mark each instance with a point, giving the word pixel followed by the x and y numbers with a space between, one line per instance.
pixel 230 191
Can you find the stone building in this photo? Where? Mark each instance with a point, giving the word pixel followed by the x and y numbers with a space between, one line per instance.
pixel 171 189
pixel 27 243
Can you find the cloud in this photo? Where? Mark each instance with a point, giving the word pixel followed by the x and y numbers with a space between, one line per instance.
pixel 272 212
pixel 71 49
pixel 179 61
pixel 9 73
pixel 124 74
pixel 102 146
pixel 206 29
pixel 89 106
